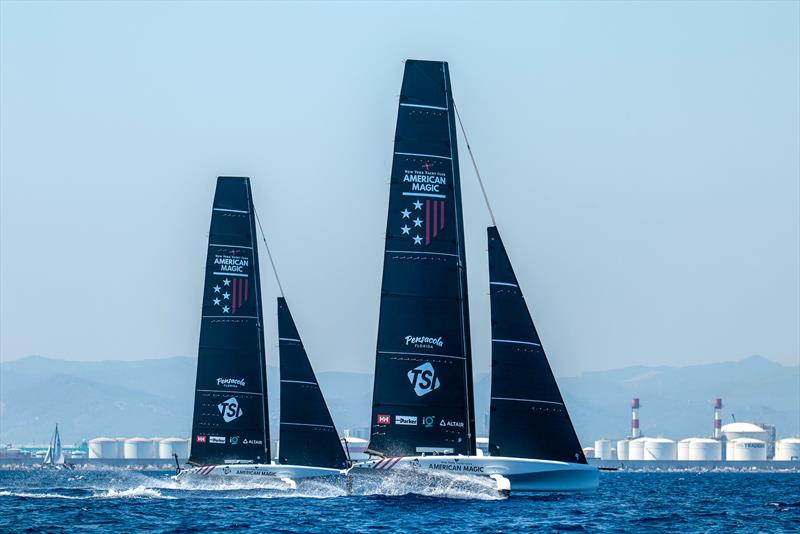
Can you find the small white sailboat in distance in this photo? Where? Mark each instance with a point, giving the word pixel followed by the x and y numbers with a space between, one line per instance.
pixel 55 454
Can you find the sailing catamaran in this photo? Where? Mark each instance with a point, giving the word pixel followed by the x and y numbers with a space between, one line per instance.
pixel 230 430
pixel 55 455
pixel 423 412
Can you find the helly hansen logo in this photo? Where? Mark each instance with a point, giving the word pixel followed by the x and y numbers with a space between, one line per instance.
pixel 384 419
pixel 423 379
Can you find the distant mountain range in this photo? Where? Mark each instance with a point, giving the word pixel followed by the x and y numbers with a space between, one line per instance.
pixel 154 398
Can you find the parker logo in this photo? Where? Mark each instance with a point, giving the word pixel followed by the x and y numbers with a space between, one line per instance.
pixel 230 382
pixel 220 440
pixel 384 419
pixel 200 439
pixel 423 379
pixel 409 420
pixel 423 341
pixel 230 409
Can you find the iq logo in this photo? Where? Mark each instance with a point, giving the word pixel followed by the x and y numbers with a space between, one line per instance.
pixel 423 379
pixel 428 421
pixel 230 410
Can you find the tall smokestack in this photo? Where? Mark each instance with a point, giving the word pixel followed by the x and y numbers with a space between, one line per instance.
pixel 635 433
pixel 717 418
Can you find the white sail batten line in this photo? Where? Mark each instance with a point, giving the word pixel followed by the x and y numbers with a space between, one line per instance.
pixel 474 165
pixel 299 382
pixel 433 195
pixel 289 339
pixel 423 354
pixel 230 274
pixel 307 424
pixel 229 246
pixel 422 106
pixel 422 155
pixel 503 284
pixel 231 392
pixel 422 252
pixel 230 317
pixel 269 254
pixel 230 211
pixel 528 400
pixel 517 342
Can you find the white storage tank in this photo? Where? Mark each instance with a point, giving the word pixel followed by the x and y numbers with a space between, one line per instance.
pixel 660 449
pixel 104 448
pixel 636 449
pixel 602 449
pixel 705 450
pixel 746 450
pixel 733 431
pixel 588 452
pixel 139 448
pixel 787 449
pixel 683 449
pixel 169 446
pixel 622 449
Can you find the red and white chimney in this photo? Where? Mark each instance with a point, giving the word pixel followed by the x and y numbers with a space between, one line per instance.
pixel 717 418
pixel 635 432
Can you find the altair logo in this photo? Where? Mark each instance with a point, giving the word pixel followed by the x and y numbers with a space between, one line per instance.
pixel 230 410
pixel 423 379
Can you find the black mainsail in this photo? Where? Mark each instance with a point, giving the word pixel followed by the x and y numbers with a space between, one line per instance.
pixel 307 433
pixel 230 406
pixel 422 398
pixel 528 418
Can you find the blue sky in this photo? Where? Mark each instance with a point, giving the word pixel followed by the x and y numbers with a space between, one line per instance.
pixel 642 161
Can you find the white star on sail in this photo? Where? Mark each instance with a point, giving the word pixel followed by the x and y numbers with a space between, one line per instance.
pixel 225 309
pixel 417 205
pixel 405 229
pixel 417 240
pixel 226 282
pixel 406 214
pixel 216 302
pixel 216 289
pixel 226 295
pixel 417 222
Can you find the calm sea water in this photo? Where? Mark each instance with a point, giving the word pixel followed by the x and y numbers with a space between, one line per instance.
pixel 38 500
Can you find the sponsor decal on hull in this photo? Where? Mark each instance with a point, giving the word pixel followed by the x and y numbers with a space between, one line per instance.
pixel 456 467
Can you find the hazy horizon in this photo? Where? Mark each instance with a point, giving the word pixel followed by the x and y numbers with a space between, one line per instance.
pixel 642 161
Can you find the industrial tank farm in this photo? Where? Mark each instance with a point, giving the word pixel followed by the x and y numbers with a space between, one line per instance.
pixel 736 445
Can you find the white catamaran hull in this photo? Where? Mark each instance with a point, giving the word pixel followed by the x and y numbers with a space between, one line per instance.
pixel 287 474
pixel 514 474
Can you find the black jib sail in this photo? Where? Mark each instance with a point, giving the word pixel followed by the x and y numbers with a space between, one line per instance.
pixel 230 403
pixel 308 435
pixel 422 399
pixel 528 418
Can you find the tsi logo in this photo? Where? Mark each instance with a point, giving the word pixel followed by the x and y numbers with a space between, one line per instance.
pixel 423 379
pixel 230 409
pixel 410 420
